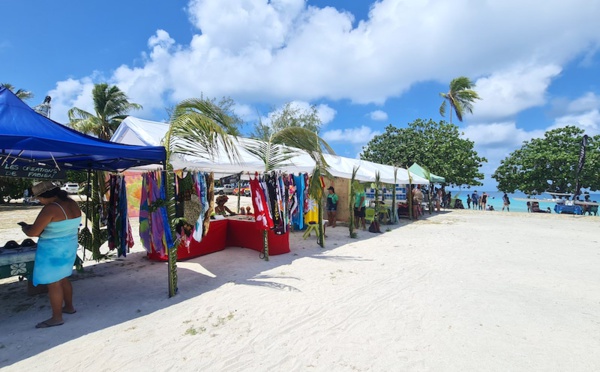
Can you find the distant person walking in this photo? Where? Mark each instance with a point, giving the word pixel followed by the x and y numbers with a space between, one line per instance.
pixel 438 199
pixel 469 201
pixel 506 201
pixel 475 199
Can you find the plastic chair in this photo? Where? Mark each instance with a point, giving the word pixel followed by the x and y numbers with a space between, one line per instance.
pixel 369 215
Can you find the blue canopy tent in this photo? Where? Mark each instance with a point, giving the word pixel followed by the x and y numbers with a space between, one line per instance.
pixel 29 137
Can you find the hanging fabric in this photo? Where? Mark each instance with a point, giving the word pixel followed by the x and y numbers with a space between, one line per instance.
pixel 298 218
pixel 201 188
pixel 118 227
pixel 155 231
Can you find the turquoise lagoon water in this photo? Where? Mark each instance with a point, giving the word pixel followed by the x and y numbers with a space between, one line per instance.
pixel 495 199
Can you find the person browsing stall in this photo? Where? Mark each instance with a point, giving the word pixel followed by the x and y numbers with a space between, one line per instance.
pixel 221 208
pixel 332 200
pixel 57 226
pixel 360 209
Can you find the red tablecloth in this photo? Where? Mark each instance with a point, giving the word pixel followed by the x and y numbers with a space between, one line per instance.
pixel 245 234
pixel 214 241
pixel 234 232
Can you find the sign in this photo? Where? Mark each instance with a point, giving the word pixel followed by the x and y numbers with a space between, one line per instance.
pixel 230 179
pixel 39 172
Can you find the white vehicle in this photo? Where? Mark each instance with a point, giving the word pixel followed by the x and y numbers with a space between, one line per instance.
pixel 71 188
pixel 224 190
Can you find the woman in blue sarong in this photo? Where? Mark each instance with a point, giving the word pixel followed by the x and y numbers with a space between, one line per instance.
pixel 57 226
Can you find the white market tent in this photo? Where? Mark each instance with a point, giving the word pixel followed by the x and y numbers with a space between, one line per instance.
pixel 135 131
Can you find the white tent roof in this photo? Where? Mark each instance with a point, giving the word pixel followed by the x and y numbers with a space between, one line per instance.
pixel 135 131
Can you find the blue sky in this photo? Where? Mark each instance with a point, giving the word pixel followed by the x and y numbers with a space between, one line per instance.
pixel 365 64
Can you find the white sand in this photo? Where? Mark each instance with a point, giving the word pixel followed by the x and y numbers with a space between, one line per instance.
pixel 460 291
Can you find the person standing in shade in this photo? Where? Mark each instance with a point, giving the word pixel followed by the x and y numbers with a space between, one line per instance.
pixel 506 201
pixel 360 210
pixel 57 226
pixel 332 200
pixel 468 201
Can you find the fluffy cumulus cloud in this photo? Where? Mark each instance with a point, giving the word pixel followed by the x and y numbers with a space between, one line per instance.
pixel 506 93
pixel 356 136
pixel 378 115
pixel 583 112
pixel 262 51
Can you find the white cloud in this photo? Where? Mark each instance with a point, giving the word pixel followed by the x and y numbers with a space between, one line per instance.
pixel 583 112
pixel 378 115
pixel 506 93
pixel 589 121
pixel 504 135
pixel 259 51
pixel 360 135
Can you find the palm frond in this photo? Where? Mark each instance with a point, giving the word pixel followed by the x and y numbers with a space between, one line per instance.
pixel 272 155
pixel 208 109
pixel 305 140
pixel 197 135
pixel 443 106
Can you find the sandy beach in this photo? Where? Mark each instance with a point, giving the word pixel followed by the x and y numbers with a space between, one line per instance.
pixel 458 291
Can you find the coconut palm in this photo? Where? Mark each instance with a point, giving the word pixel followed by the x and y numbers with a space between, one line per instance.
pixel 111 106
pixel 21 93
pixel 282 145
pixel 460 97
pixel 197 128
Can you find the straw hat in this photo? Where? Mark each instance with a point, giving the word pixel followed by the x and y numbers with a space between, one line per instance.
pixel 42 187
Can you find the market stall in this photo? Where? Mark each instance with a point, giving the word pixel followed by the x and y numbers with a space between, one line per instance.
pixel 29 140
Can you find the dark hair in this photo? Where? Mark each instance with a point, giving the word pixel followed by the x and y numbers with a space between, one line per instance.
pixel 61 194
pixel 331 188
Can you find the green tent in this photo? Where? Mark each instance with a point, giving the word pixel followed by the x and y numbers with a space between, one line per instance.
pixel 423 172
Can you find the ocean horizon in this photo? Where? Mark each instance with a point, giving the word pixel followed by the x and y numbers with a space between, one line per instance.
pixel 495 199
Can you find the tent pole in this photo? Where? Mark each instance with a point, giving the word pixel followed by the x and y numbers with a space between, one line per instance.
pixel 87 202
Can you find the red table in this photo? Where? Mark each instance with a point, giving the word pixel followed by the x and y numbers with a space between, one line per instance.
pixel 238 231
pixel 245 234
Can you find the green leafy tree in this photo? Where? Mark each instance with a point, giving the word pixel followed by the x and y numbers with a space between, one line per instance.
pixel 21 93
pixel 111 106
pixel 288 116
pixel 436 145
pixel 460 97
pixel 550 164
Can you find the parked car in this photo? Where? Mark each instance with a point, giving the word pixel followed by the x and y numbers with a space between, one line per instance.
pixel 245 190
pixel 71 188
pixel 224 190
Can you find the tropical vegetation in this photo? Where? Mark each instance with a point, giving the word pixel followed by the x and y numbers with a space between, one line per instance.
pixel 438 145
pixel 460 98
pixel 550 164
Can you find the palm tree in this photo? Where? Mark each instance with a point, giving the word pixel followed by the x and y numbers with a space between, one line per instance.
pixel 22 94
pixel 111 106
pixel 198 128
pixel 460 96
pixel 282 145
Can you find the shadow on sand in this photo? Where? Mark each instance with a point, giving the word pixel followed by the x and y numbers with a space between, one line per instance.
pixel 119 290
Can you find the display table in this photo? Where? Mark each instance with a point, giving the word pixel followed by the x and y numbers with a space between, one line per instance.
pixel 243 232
pixel 235 231
pixel 15 262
